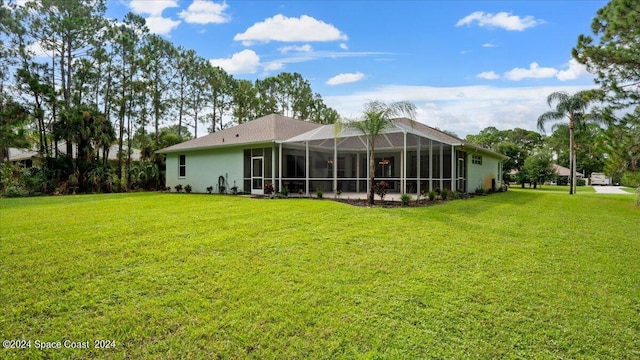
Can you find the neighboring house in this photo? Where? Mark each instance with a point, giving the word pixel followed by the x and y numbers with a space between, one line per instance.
pixel 305 156
pixel 563 172
pixel 30 157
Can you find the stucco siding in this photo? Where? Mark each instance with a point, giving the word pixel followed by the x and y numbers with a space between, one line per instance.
pixel 480 176
pixel 204 167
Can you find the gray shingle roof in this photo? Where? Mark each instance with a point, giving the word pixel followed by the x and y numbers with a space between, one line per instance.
pixel 268 128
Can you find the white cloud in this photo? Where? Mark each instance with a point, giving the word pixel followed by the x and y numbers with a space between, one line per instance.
pixel 205 12
pixel 344 46
pixel 160 25
pixel 488 75
pixel 502 20
pixel 304 48
pixel 286 29
pixel 574 71
pixel 151 7
pixel 533 72
pixel 243 62
pixel 481 106
pixel 489 45
pixel 345 78
pixel 154 8
pixel 273 66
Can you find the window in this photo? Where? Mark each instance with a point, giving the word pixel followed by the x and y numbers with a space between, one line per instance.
pixel 182 166
pixel 476 159
pixel 295 166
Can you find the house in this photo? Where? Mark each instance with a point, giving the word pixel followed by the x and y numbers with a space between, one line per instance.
pixel 30 157
pixel 563 174
pixel 305 156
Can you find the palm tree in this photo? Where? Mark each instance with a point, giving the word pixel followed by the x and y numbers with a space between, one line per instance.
pixel 574 108
pixel 377 116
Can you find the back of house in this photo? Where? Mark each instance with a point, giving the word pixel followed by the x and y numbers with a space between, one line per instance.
pixel 600 179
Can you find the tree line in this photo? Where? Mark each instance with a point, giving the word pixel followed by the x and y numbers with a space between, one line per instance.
pixel 71 77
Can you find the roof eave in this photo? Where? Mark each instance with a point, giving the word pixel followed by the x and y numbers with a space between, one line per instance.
pixel 210 147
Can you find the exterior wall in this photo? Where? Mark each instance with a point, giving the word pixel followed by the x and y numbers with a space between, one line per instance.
pixel 481 175
pixel 203 167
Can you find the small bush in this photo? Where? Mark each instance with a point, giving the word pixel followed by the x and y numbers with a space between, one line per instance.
pixel 15 191
pixel 268 189
pixel 581 182
pixel 444 194
pixel 381 189
pixel 187 189
pixel 405 198
pixel 210 189
pixel 319 194
pixel 431 195
pixel 284 192
pixel 630 179
pixel 456 195
pixel 178 188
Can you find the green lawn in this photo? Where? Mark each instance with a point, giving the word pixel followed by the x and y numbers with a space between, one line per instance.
pixel 522 274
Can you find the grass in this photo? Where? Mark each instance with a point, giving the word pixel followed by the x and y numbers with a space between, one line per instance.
pixel 523 274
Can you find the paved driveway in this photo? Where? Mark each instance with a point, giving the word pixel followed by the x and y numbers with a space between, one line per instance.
pixel 609 190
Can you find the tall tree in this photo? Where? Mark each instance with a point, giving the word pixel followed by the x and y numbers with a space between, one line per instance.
pixel 377 116
pixel 161 74
pixel 221 92
pixel 68 29
pixel 244 102
pixel 614 55
pixel 575 109
pixel 539 167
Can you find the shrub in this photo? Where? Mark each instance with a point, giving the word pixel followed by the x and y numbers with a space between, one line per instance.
pixel 456 195
pixel 319 194
pixel 15 191
pixel 631 179
pixel 581 182
pixel 268 189
pixel 284 191
pixel 431 195
pixel 444 194
pixel 210 189
pixel 562 180
pixel 178 188
pixel 187 188
pixel 405 198
pixel 381 189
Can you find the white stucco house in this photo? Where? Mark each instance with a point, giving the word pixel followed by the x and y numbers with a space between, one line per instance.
pixel 305 156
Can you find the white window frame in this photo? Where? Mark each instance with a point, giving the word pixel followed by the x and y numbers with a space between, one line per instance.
pixel 182 166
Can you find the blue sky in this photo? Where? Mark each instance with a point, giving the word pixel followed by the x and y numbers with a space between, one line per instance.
pixel 466 65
